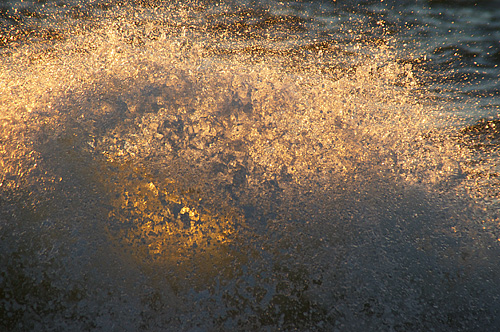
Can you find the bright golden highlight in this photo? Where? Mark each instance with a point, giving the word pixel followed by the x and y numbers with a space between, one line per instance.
pixel 162 223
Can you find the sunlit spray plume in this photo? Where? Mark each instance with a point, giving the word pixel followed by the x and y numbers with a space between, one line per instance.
pixel 228 166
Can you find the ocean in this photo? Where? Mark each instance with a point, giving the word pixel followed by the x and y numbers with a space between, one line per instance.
pixel 249 165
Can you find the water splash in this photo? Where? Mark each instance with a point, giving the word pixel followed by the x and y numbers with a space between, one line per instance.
pixel 222 168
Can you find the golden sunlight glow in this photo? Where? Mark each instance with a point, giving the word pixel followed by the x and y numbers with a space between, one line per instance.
pixel 163 224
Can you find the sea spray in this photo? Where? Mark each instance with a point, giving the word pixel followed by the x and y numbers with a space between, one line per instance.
pixel 217 168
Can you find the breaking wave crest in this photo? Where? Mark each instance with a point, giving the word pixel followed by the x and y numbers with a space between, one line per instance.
pixel 183 169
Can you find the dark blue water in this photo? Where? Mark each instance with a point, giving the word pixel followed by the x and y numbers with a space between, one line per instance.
pixel 247 166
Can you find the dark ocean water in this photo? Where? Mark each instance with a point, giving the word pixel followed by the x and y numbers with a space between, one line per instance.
pixel 249 166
